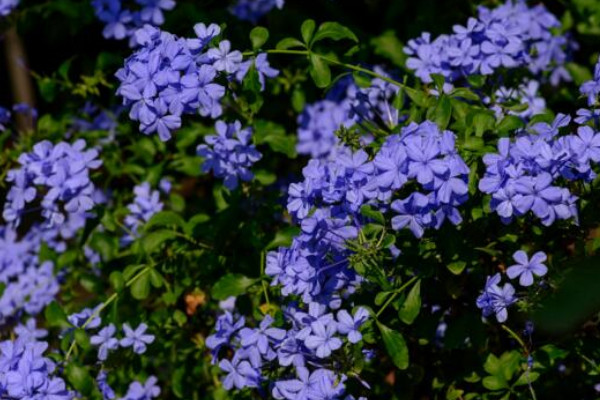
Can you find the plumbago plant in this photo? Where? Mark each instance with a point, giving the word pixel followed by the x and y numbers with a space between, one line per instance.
pixel 236 212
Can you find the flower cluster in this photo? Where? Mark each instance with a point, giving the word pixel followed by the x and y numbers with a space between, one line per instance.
pixel 62 171
pixel 524 175
pixel 496 299
pixel 145 204
pixel 314 334
pixel 122 22
pixel 138 339
pixel 170 76
pixel 229 154
pixel 24 371
pixel 421 152
pixel 29 285
pixel 253 10
pixel 509 36
pixel 316 267
pixel 7 6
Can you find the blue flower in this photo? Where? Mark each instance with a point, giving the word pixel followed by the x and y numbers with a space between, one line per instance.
pixel 320 384
pixel 496 299
pixel 106 341
pixel 224 59
pixel 350 325
pixel 147 391
pixel 322 338
pixel 7 6
pixel 526 268
pixel 137 338
pixel 253 10
pixel 240 374
pixel 512 35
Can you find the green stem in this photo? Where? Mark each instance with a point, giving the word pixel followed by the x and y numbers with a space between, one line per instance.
pixel 396 293
pixel 105 304
pixel 262 272
pixel 517 338
pixel 527 352
pixel 332 61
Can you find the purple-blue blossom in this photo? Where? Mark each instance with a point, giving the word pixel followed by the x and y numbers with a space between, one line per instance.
pixel 124 17
pixel 146 391
pixel 531 173
pixel 496 299
pixel 167 78
pixel 7 6
pixel 59 175
pixel 509 36
pixel 525 267
pixel 105 341
pixel 229 154
pixel 349 325
pixel 145 204
pixel 25 373
pixel 137 339
pixel 253 10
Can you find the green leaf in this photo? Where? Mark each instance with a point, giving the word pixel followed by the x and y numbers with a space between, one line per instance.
pixel 82 338
pixel 165 219
pixel 526 378
pixel 140 289
pixel 439 81
pixel 265 177
pixel 117 281
pixel 395 346
pixel 80 378
pixel 457 267
pixel 465 93
pixel 418 96
pixel 482 122
pixel 412 305
pixel 308 29
pixel 153 240
pixel 319 71
pixel 55 316
pixel 283 238
pixel 289 43
pixel 510 123
pixel 258 37
pixel 275 136
pixel 443 112
pixel 389 46
pixel 156 279
pixel 370 213
pixel 381 297
pixel 196 220
pixel 231 285
pixel 180 317
pixel 476 81
pixel 494 383
pixel 579 73
pixel 334 31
